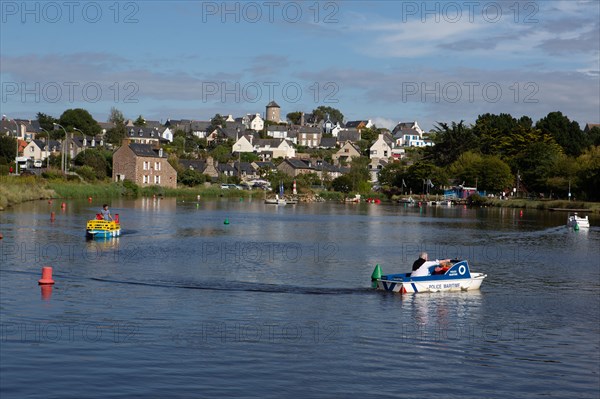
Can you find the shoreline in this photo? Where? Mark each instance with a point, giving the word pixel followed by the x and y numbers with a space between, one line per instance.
pixel 16 190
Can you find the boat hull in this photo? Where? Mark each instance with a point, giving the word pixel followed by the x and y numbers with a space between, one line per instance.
pixel 102 229
pixel 457 277
pixel 440 285
pixel 578 221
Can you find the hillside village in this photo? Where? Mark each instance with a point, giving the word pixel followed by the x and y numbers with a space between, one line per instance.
pixel 499 154
pixel 265 141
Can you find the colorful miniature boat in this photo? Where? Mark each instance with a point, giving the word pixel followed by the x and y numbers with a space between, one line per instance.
pixel 100 228
pixel 576 221
pixel 457 277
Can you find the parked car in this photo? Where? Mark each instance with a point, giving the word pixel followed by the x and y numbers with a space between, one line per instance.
pixel 224 186
pixel 37 163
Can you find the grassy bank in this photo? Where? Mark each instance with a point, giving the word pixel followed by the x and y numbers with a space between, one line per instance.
pixel 14 190
pixel 544 205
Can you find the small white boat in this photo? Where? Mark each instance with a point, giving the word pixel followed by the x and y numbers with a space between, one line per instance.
pixel 577 221
pixel 275 201
pixel 457 277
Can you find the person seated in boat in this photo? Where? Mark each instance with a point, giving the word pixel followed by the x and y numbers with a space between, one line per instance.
pixel 106 213
pixel 421 266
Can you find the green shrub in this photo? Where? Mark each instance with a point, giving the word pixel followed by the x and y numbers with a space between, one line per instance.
pixel 87 172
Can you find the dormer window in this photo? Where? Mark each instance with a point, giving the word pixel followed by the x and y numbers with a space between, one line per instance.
pixel 160 152
pixel 131 132
pixel 141 132
pixel 151 134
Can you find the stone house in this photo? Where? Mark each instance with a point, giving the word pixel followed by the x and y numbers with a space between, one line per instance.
pixel 144 165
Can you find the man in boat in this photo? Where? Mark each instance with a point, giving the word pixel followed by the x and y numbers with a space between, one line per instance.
pixel 106 213
pixel 421 266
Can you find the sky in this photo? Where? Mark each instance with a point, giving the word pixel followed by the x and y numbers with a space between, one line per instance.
pixel 387 61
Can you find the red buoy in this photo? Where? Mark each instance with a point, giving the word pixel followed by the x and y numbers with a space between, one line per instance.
pixel 63 205
pixel 52 216
pixel 46 276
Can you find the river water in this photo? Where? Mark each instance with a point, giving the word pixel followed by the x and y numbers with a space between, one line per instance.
pixel 277 303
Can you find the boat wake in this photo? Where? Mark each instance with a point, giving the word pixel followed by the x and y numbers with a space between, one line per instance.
pixel 244 287
pixel 235 286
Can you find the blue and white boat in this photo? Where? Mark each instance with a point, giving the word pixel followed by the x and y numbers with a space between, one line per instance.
pixel 457 277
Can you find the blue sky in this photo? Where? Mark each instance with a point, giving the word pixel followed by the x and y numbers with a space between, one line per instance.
pixel 387 61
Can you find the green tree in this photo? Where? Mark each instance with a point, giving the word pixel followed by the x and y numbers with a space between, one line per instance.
pixel 419 173
pixel 140 121
pixel 593 136
pixel 96 160
pixel 450 142
pixel 221 153
pixel 359 172
pixel 392 174
pixel 116 134
pixel 589 173
pixel 81 119
pixel 191 178
pixel 467 168
pixel 294 117
pixel 46 121
pixel 320 113
pixel 216 122
pixel 537 163
pixel 8 149
pixel 567 133
pixel 494 174
pixel 116 116
pixel 342 184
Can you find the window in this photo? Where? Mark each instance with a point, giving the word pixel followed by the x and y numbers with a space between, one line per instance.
pixel 156 165
pixel 146 165
pixel 31 149
pixel 145 179
pixel 156 179
pixel 374 152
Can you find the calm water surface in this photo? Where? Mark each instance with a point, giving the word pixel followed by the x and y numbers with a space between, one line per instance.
pixel 277 303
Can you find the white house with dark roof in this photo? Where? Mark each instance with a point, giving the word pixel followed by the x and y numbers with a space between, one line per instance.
pixel 381 148
pixel 256 123
pixel 39 150
pixel 346 153
pixel 243 144
pixel 278 148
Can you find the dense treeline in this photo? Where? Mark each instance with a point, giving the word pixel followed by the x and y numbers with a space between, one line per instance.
pixel 498 151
